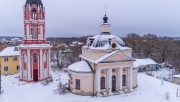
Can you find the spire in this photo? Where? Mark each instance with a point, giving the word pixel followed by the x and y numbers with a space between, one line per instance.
pixel 105 19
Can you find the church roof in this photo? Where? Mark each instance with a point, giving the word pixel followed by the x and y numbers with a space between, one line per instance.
pixel 101 42
pixel 81 66
pixel 36 2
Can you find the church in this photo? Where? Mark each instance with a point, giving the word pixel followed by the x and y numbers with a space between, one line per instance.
pixel 34 52
pixel 106 66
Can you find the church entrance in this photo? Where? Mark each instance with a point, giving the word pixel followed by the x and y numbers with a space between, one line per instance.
pixel 35 67
pixel 113 83
pixel 35 75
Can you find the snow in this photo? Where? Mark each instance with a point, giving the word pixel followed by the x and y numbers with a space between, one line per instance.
pixel 103 40
pixel 142 62
pixel 80 66
pixel 150 89
pixel 35 45
pixel 177 76
pixel 9 51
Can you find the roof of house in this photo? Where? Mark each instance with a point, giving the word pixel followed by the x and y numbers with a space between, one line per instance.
pixel 141 62
pixel 177 76
pixel 10 51
pixel 81 66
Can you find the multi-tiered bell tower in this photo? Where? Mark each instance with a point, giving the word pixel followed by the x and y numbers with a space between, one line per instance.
pixel 34 52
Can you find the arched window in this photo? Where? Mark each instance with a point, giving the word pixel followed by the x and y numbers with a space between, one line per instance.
pixel 102 82
pixel 34 15
pixel 27 29
pixel 45 57
pixel 34 30
pixel 41 14
pixel 124 80
pixel 24 58
pixel 26 13
pixel 41 32
pixel 35 58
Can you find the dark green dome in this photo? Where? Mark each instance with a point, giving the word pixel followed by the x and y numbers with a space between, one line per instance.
pixel 36 2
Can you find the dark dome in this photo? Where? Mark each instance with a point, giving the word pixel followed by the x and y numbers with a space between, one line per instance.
pixel 36 2
pixel 105 19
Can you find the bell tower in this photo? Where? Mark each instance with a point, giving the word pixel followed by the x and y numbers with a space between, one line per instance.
pixel 34 22
pixel 34 52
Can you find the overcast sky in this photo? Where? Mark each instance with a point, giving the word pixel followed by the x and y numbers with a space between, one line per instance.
pixel 69 18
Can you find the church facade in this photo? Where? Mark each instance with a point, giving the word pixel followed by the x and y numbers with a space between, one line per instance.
pixel 106 66
pixel 34 52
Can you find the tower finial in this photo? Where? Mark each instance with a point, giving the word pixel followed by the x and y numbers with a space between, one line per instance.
pixel 105 16
pixel 105 9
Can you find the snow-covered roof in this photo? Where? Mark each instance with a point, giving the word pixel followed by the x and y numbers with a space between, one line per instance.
pixel 81 66
pixel 101 42
pixel 177 76
pixel 10 51
pixel 141 62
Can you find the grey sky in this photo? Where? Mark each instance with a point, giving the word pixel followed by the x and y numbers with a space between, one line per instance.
pixel 67 18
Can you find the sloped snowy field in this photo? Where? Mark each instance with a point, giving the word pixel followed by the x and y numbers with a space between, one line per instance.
pixel 150 90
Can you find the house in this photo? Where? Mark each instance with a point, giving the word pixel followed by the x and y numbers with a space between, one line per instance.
pixel 176 79
pixel 9 60
pixel 146 64
pixel 106 66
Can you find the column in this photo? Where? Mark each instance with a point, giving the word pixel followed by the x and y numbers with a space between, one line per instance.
pixel 110 81
pixel 130 78
pixel 120 74
pixel 28 62
pixel 41 62
pixel 98 81
pixel 20 63
pixel 49 63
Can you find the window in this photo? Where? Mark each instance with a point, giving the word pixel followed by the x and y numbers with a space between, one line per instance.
pixel 24 58
pixel 5 59
pixel 113 70
pixel 17 67
pixel 45 57
pixel 102 71
pixel 34 30
pixel 6 68
pixel 34 15
pixel 78 84
pixel 102 82
pixel 124 69
pixel 14 58
pixel 26 16
pixel 35 57
pixel 124 80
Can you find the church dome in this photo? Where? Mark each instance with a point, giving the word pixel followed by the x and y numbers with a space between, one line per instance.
pixel 105 42
pixel 36 2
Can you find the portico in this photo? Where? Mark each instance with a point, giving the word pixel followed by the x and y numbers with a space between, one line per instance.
pixel 118 80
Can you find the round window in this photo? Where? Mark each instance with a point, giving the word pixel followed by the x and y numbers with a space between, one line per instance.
pixel 113 45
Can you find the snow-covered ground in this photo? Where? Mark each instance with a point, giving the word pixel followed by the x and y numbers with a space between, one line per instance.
pixel 150 89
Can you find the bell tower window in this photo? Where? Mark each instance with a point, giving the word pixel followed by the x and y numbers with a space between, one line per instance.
pixel 34 32
pixel 34 14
